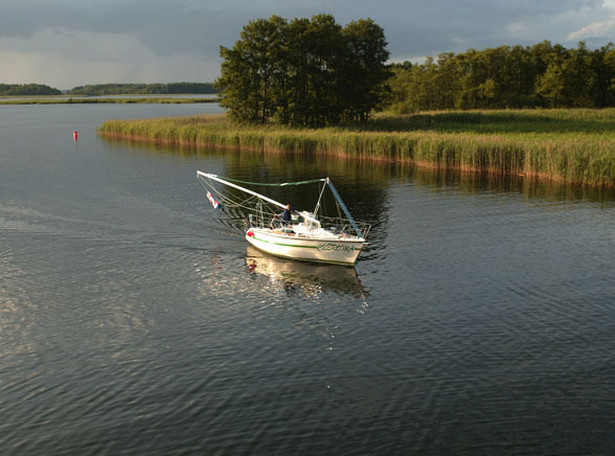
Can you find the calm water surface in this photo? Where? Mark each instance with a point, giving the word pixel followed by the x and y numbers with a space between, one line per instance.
pixel 479 321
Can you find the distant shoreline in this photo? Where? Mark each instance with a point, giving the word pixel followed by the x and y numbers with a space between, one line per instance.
pixel 63 99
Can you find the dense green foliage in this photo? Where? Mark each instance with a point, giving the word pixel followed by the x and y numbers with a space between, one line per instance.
pixel 143 89
pixel 564 145
pixel 543 75
pixel 307 72
pixel 27 89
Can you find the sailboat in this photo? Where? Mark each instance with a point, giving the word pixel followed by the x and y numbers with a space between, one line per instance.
pixel 296 234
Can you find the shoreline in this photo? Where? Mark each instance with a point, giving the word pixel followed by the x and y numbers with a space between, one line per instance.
pixel 342 155
pixel 103 100
pixel 574 157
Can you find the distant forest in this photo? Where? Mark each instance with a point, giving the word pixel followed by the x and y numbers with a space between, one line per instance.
pixel 111 89
pixel 143 89
pixel 543 75
pixel 27 89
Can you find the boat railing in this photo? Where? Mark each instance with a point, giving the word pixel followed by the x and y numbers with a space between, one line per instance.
pixel 337 225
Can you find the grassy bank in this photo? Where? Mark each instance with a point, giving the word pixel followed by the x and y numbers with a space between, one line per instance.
pixel 85 100
pixel 566 145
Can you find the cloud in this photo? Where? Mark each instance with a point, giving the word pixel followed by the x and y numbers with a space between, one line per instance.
pixel 65 73
pixel 80 45
pixel 597 29
pixel 95 40
pixel 601 29
pixel 65 59
pixel 456 26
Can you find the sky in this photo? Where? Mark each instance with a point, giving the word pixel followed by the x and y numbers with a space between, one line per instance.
pixel 68 43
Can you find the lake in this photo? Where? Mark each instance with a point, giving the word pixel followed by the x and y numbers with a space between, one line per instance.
pixel 480 320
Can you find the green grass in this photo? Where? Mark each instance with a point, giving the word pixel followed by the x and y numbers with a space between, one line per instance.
pixel 567 145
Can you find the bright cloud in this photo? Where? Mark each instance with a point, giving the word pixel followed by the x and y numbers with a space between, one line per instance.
pixel 597 29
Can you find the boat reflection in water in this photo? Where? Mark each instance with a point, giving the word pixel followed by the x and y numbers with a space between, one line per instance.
pixel 307 278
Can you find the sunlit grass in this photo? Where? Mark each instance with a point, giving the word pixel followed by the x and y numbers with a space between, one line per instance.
pixel 567 145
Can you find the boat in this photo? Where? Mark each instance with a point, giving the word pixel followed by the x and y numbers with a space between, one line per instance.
pixel 295 234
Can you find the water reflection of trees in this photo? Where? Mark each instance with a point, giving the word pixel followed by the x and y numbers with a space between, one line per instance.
pixel 364 184
pixel 529 187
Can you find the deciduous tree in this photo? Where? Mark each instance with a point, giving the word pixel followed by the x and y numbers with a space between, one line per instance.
pixel 308 72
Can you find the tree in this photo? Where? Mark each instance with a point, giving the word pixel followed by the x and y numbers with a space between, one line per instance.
pixel 251 70
pixel 605 91
pixel 508 77
pixel 323 45
pixel 28 89
pixel 307 72
pixel 364 71
pixel 569 80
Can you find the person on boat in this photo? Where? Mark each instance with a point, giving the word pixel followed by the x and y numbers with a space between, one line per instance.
pixel 287 215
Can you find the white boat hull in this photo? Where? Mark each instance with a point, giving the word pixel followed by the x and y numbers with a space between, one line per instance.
pixel 304 248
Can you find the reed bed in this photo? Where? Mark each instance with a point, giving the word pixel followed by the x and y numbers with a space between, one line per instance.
pixel 576 146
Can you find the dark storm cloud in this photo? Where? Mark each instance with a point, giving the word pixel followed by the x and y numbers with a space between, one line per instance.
pixel 195 29
pixel 198 25
pixel 162 26
pixel 442 26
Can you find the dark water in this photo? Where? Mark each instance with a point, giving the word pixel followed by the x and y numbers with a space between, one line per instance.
pixel 480 320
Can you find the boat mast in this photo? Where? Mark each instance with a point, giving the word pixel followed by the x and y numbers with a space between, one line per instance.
pixel 344 208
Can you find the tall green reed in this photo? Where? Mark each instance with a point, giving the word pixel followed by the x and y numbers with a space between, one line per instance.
pixel 567 145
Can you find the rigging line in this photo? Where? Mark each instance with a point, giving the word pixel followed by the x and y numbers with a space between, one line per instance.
pixel 319 198
pixel 238 187
pixel 284 184
pixel 227 200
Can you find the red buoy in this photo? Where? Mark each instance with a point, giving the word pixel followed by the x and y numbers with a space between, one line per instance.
pixel 75 135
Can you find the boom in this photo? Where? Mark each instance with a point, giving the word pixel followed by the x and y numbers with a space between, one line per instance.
pixel 239 187
pixel 283 206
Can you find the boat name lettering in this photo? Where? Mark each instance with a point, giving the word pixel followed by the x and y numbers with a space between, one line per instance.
pixel 336 247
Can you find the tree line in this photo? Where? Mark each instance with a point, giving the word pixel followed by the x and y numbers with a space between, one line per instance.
pixel 542 75
pixel 306 72
pixel 27 89
pixel 111 89
pixel 143 89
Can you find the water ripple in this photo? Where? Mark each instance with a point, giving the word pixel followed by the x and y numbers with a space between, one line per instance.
pixel 134 319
